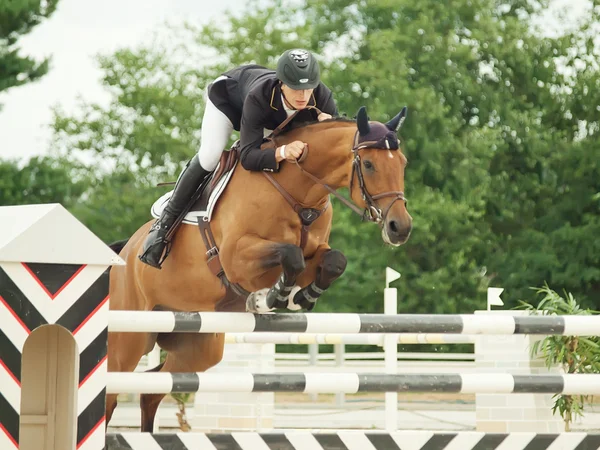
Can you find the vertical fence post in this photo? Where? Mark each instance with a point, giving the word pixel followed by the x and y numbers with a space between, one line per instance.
pixel 340 357
pixel 390 346
pixel 154 361
pixel 313 360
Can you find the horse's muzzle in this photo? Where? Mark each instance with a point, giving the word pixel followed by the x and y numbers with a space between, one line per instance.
pixel 396 231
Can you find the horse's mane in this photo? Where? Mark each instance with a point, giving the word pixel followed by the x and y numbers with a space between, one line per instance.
pixel 335 120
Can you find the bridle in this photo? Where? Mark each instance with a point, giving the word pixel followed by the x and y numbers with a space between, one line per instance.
pixel 372 212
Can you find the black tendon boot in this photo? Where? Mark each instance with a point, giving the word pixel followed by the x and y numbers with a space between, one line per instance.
pixel 189 180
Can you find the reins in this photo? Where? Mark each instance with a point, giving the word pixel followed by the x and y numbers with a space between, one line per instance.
pixel 371 212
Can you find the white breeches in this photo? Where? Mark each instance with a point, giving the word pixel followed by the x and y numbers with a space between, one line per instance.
pixel 214 136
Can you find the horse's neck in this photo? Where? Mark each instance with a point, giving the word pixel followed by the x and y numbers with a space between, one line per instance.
pixel 329 159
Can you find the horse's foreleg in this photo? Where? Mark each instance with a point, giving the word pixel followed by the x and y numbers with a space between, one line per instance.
pixel 292 262
pixel 254 266
pixel 322 270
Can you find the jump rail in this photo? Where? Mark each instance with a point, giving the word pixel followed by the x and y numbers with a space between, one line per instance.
pixel 223 322
pixel 351 383
pixel 353 440
pixel 347 339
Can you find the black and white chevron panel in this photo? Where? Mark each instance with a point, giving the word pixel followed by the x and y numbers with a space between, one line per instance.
pixel 352 440
pixel 239 322
pixel 350 383
pixel 75 297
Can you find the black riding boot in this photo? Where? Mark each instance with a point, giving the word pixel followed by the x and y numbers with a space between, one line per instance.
pixel 189 180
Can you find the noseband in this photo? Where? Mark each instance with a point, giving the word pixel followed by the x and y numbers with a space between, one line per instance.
pixel 372 212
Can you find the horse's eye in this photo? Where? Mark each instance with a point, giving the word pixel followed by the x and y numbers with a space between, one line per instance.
pixel 368 164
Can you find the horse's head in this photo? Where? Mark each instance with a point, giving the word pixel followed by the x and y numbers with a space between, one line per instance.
pixel 377 180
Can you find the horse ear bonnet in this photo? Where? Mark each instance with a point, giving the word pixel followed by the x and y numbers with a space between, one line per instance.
pixel 382 135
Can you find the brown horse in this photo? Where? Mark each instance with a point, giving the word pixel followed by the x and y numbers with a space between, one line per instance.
pixel 275 255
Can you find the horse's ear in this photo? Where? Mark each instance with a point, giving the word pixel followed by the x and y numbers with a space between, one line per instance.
pixel 396 122
pixel 363 121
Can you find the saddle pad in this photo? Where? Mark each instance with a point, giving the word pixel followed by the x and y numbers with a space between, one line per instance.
pixel 191 218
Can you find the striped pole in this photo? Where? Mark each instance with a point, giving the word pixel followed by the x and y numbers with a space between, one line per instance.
pixel 346 339
pixel 351 383
pixel 354 440
pixel 223 322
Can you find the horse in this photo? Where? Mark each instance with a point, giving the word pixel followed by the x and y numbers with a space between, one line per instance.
pixel 266 242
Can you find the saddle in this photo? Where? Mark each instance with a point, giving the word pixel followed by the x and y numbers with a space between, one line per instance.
pixel 204 199
pixel 226 164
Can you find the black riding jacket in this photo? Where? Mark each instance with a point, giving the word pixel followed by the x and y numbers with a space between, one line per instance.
pixel 251 99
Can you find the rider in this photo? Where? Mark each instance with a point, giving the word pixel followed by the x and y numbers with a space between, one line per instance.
pixel 253 100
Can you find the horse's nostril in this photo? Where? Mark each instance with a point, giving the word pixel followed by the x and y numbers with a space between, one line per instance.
pixel 394 226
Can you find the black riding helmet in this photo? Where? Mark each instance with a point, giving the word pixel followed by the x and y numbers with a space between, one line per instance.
pixel 298 69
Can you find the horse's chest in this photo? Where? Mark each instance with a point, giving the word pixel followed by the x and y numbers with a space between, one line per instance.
pixel 310 237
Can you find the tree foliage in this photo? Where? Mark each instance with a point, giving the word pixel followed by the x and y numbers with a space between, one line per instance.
pixel 503 179
pixel 17 18
pixel 40 180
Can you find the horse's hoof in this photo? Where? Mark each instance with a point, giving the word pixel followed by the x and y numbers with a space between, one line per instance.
pixel 257 302
pixel 291 305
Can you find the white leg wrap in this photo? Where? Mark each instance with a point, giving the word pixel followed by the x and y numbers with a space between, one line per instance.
pixel 257 302
pixel 291 305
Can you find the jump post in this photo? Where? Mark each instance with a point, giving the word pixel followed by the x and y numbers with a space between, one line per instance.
pixel 53 330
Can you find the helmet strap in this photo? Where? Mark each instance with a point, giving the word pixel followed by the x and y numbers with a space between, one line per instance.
pixel 285 99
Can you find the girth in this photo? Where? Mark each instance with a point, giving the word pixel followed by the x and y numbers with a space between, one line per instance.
pixel 307 215
pixel 235 294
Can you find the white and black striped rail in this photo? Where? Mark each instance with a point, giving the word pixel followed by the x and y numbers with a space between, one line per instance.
pixel 350 383
pixel 348 339
pixel 223 322
pixel 353 440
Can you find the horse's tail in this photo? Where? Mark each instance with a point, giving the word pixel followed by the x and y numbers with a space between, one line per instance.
pixel 118 245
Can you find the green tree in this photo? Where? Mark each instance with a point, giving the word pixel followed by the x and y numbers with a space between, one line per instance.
pixel 501 136
pixel 17 18
pixel 143 138
pixel 40 180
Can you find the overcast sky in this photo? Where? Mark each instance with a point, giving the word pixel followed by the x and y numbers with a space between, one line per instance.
pixel 77 31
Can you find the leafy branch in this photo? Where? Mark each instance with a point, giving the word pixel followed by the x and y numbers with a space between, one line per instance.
pixel 572 354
